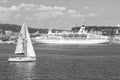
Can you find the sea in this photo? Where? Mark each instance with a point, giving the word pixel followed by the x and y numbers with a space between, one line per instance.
pixel 63 62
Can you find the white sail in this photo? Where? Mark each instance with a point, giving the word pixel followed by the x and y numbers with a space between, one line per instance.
pixel 30 50
pixel 19 47
pixel 24 45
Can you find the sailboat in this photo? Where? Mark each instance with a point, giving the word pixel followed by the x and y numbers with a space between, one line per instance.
pixel 24 46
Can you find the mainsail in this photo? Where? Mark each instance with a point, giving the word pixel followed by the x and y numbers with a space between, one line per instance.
pixel 24 44
pixel 21 37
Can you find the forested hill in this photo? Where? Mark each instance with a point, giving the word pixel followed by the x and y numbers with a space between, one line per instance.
pixel 104 29
pixel 16 28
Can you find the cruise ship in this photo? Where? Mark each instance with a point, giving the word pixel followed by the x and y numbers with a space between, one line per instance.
pixel 81 37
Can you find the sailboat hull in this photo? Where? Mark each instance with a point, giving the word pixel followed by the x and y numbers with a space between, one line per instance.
pixel 22 59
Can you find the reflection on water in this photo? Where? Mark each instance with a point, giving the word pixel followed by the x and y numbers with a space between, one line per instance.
pixel 24 70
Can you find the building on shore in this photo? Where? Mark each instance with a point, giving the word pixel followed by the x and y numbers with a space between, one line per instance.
pixel 104 30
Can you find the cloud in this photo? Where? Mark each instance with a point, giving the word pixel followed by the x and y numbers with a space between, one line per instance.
pixel 75 14
pixel 92 15
pixel 71 11
pixel 26 6
pixel 46 12
pixel 4 1
pixel 87 7
pixel 49 14
pixel 3 8
pixel 40 12
pixel 13 8
pixel 7 12
pixel 21 7
pixel 42 7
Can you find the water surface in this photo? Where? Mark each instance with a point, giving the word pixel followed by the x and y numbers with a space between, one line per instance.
pixel 63 62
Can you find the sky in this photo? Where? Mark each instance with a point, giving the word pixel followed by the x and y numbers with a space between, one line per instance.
pixel 60 14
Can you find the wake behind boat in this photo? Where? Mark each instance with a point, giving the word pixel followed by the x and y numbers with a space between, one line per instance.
pixel 81 37
pixel 24 46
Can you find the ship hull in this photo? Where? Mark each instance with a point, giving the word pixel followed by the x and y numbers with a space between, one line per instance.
pixel 87 41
